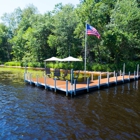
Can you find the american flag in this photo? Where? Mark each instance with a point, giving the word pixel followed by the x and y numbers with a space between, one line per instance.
pixel 92 31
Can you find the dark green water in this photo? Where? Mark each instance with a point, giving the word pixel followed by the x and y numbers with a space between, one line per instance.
pixel 31 113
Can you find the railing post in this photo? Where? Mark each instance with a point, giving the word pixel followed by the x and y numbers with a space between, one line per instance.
pixel 120 72
pixel 66 87
pixel 98 82
pixel 114 73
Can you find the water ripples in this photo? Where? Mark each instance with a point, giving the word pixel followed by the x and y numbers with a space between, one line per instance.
pixel 28 112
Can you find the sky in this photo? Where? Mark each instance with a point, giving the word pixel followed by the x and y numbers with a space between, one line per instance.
pixel 8 6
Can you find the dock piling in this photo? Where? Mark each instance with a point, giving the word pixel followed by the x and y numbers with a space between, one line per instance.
pixel 37 80
pixel 98 82
pixel 134 75
pixel 108 79
pixel 66 87
pixel 45 82
pixel 54 84
pixel 74 86
pixel 116 79
pixel 123 78
pixel 137 71
pixel 129 76
pixel 88 84
pixel 124 68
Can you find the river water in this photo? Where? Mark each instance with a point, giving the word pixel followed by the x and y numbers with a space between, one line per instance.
pixel 32 113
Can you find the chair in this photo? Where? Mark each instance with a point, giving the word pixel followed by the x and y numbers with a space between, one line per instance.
pixel 57 73
pixel 48 72
pixel 76 75
pixel 65 74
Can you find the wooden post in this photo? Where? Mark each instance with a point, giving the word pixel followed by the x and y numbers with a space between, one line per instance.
pixel 74 86
pixel 137 71
pixel 88 84
pixel 114 74
pixel 54 84
pixel 98 82
pixel 108 79
pixel 116 79
pixel 66 87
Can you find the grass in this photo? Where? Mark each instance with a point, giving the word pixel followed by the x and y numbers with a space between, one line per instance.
pixel 20 72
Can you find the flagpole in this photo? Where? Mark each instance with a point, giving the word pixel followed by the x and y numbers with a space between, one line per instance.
pixel 85 46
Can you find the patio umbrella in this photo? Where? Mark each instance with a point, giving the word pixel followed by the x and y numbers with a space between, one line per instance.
pixel 70 58
pixel 52 59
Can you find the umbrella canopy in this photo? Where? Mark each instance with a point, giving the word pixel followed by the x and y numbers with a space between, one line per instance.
pixel 53 59
pixel 70 58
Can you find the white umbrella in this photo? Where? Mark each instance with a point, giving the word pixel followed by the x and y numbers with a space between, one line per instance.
pixel 70 58
pixel 53 59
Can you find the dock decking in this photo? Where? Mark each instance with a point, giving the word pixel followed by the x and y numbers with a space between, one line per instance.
pixel 78 87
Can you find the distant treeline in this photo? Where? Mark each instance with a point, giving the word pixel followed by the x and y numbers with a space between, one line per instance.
pixel 28 36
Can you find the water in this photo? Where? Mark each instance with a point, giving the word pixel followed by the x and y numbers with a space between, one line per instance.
pixel 31 113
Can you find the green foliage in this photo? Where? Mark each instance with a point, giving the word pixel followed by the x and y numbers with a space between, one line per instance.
pixel 12 63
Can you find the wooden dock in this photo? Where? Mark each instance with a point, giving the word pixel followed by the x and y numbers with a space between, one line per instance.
pixel 74 88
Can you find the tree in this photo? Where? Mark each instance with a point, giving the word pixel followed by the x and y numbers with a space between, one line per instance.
pixel 62 37
pixel 123 32
pixel 4 45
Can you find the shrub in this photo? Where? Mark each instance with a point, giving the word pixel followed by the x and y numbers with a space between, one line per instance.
pixel 12 63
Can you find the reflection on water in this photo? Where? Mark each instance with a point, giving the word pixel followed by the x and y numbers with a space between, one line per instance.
pixel 28 112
